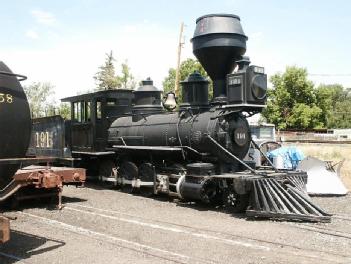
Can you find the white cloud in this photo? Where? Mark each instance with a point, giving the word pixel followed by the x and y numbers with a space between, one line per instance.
pixel 150 49
pixel 71 64
pixel 43 17
pixel 32 34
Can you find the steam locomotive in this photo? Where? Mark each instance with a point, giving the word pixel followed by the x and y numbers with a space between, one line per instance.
pixel 196 153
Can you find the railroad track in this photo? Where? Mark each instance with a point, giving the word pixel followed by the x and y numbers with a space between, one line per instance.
pixel 221 237
pixel 344 217
pixel 12 257
pixel 155 252
pixel 323 229
pixel 197 232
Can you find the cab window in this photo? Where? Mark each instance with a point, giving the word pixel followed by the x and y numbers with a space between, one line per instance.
pixel 77 111
pixel 81 111
pixel 98 110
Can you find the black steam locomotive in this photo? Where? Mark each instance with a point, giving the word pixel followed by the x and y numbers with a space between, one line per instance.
pixel 197 152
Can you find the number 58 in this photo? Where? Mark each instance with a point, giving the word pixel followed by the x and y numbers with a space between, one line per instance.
pixel 6 98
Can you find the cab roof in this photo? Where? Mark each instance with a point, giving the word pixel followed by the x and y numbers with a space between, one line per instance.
pixel 99 94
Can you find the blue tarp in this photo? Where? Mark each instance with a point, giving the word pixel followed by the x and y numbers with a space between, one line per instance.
pixel 291 156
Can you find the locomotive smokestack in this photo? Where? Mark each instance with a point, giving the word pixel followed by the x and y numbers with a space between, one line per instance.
pixel 218 42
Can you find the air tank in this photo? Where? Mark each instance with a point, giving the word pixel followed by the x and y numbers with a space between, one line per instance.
pixel 218 42
pixel 15 121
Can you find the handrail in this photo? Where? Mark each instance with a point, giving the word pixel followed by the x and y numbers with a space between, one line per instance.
pixel 19 76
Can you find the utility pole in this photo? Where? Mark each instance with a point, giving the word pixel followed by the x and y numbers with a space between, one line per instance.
pixel 180 45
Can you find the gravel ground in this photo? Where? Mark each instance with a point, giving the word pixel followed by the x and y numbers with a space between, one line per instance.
pixel 101 225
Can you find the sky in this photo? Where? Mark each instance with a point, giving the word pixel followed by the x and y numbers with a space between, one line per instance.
pixel 64 42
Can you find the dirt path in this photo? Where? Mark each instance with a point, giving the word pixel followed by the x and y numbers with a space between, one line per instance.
pixel 107 226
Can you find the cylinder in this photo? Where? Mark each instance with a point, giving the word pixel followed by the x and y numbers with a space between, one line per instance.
pixel 197 186
pixel 200 169
pixel 15 122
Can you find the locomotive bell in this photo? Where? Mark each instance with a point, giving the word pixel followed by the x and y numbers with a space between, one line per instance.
pixel 170 102
pixel 218 42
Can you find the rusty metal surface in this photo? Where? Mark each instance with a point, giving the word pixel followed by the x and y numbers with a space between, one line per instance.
pixel 49 180
pixel 50 176
pixel 43 178
pixel 4 229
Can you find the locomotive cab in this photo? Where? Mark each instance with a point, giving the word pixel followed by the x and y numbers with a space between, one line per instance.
pixel 91 115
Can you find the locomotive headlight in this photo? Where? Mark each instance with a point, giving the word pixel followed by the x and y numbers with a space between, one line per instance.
pixel 259 86
pixel 258 69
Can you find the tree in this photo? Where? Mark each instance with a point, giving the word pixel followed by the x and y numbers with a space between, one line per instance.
pixel 292 102
pixel 126 80
pixel 305 116
pixel 40 99
pixel 106 78
pixel 341 116
pixel 65 110
pixel 186 67
pixel 329 98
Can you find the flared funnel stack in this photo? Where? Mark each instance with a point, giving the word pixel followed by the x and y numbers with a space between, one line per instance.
pixel 218 42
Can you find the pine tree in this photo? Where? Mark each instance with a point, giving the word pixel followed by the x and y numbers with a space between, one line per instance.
pixel 126 80
pixel 106 78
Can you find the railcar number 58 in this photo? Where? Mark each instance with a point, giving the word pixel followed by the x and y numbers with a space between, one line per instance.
pixel 6 98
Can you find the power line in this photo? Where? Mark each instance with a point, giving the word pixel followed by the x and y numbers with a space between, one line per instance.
pixel 331 75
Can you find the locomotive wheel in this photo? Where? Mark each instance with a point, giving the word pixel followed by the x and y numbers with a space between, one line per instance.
pixel 235 203
pixel 146 174
pixel 147 191
pixel 107 168
pixel 210 192
pixel 127 188
pixel 129 171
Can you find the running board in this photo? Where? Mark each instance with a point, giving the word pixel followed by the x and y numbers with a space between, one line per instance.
pixel 271 198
